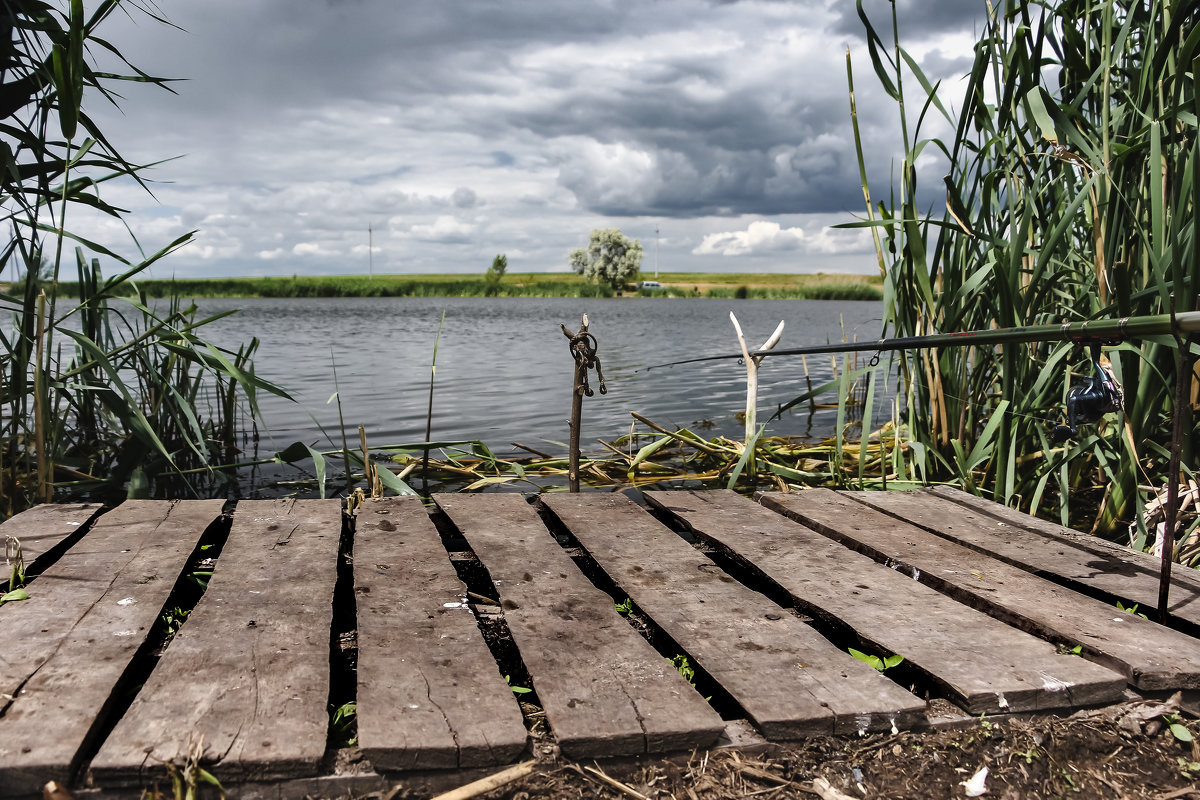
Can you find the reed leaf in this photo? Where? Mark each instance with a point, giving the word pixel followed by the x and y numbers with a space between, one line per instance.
pixel 107 394
pixel 1071 196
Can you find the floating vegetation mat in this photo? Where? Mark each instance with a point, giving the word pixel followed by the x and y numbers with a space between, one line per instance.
pixel 659 458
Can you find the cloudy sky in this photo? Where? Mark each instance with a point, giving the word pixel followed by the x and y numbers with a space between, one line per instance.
pixel 459 129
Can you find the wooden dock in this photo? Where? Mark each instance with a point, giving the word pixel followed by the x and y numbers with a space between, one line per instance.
pixel 427 617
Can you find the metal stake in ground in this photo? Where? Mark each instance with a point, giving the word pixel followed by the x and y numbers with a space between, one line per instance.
pixel 583 350
pixel 1181 417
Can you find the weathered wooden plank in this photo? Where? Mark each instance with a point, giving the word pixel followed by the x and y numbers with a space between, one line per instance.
pixel 983 664
pixel 429 692
pixel 249 670
pixel 789 679
pixel 1150 656
pixel 1093 565
pixel 43 528
pixel 66 648
pixel 604 689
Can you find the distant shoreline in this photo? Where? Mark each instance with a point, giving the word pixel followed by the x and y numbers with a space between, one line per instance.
pixel 810 286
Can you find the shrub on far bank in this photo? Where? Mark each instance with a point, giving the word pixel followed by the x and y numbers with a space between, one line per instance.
pixel 355 286
pixel 828 291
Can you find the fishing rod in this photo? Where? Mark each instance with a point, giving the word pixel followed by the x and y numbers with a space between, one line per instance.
pixel 1105 330
pixel 1086 402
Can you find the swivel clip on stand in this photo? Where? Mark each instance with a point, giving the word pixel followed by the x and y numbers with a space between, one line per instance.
pixel 583 351
pixel 1087 402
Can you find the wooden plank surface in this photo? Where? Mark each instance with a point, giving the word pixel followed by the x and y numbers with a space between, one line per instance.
pixel 249 669
pixel 65 649
pixel 604 689
pixel 430 694
pixel 1088 563
pixel 787 677
pixel 1150 656
pixel 43 528
pixel 983 664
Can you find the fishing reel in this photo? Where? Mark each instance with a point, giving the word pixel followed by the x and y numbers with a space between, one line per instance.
pixel 1087 402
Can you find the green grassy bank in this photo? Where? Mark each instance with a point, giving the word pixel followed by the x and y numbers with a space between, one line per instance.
pixel 819 286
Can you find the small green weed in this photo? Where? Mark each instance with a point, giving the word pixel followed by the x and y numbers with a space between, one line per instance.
pixel 199 578
pixel 343 725
pixel 1177 728
pixel 187 779
pixel 625 606
pixel 684 668
pixel 516 689
pixel 1077 650
pixel 1133 609
pixel 16 574
pixel 172 619
pixel 1029 755
pixel 680 662
pixel 878 663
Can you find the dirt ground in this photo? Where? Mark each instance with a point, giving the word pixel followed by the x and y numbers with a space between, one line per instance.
pixel 1127 751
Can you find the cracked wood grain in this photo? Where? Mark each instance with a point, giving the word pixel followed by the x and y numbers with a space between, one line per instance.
pixel 1086 563
pixel 249 669
pixel 981 663
pixel 430 694
pixel 734 633
pixel 68 646
pixel 1151 657
pixel 604 689
pixel 43 528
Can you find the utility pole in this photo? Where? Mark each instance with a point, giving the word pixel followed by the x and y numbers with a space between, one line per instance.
pixel 655 252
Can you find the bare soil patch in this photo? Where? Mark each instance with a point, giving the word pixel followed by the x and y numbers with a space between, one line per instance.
pixel 1126 751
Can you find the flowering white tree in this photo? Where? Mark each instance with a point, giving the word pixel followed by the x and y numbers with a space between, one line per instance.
pixel 609 257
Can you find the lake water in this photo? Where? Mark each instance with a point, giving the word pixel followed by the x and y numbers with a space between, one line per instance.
pixel 504 369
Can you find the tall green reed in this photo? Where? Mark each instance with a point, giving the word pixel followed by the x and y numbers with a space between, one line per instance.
pixel 1071 177
pixel 97 392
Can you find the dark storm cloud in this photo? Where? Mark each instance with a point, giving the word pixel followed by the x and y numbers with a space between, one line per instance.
pixel 464 197
pixel 462 128
pixel 708 136
pixel 918 19
pixel 716 146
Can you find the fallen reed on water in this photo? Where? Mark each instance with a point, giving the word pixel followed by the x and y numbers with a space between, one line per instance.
pixel 655 458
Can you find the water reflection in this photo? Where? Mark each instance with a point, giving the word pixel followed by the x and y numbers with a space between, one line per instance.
pixel 504 369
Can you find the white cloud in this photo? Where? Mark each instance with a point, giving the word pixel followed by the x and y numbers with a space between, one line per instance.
pixel 311 249
pixel 759 237
pixel 815 237
pixel 841 241
pixel 444 229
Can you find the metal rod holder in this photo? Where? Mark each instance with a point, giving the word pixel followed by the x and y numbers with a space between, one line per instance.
pixel 583 351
